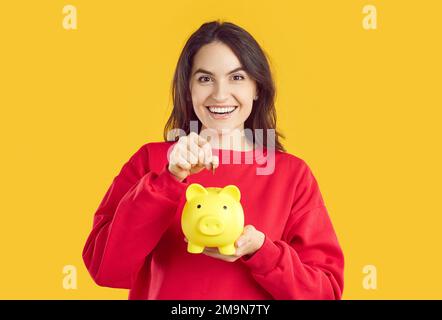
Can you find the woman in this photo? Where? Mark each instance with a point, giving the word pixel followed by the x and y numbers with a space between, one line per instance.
pixel 223 96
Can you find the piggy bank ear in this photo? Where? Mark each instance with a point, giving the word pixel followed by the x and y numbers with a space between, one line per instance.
pixel 194 190
pixel 232 191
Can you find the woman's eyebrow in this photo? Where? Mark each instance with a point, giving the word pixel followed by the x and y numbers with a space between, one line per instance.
pixel 208 72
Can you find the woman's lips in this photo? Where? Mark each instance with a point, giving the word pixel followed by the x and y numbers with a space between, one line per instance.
pixel 225 115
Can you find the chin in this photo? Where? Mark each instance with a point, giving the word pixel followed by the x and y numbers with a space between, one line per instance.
pixel 224 128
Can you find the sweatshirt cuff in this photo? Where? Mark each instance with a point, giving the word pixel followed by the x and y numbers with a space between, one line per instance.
pixel 264 259
pixel 166 183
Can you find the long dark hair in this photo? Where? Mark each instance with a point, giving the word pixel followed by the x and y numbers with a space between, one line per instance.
pixel 253 60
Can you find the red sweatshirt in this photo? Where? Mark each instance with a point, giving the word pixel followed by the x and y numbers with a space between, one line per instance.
pixel 137 243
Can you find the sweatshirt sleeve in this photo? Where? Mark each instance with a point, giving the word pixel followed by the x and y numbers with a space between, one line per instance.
pixel 136 210
pixel 307 263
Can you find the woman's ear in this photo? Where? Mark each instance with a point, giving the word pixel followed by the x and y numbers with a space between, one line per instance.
pixel 194 190
pixel 232 191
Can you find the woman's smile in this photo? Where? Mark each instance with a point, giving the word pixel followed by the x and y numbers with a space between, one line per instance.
pixel 221 112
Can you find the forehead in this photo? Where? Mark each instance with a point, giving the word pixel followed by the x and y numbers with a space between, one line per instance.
pixel 215 57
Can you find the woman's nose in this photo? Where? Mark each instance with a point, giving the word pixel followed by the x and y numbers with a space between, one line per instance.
pixel 220 92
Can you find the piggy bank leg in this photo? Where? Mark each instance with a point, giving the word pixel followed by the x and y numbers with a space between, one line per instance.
pixel 194 248
pixel 228 250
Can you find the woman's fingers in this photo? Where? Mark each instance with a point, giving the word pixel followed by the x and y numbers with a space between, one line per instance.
pixel 177 159
pixel 190 155
pixel 215 254
pixel 197 147
pixel 211 161
pixel 202 150
pixel 193 148
pixel 199 140
pixel 207 154
pixel 215 161
pixel 244 242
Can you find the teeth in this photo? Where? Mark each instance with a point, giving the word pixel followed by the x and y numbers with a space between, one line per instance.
pixel 221 109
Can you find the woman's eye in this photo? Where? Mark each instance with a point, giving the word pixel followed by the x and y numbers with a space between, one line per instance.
pixel 198 206
pixel 203 77
pixel 207 79
pixel 224 207
pixel 238 76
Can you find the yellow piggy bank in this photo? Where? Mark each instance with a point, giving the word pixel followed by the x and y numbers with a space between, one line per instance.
pixel 212 217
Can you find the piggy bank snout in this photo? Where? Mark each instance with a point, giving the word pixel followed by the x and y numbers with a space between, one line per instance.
pixel 211 226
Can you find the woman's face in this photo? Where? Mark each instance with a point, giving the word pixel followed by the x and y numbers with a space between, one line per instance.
pixel 222 93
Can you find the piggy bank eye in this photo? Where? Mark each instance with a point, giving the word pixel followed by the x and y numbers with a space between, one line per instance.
pixel 224 207
pixel 198 206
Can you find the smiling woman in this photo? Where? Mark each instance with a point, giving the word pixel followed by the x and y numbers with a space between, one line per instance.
pixel 287 248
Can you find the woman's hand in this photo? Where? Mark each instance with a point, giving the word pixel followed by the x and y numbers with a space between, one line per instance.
pixel 250 241
pixel 190 155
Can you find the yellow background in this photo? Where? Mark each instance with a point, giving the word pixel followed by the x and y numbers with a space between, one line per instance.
pixel 361 107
